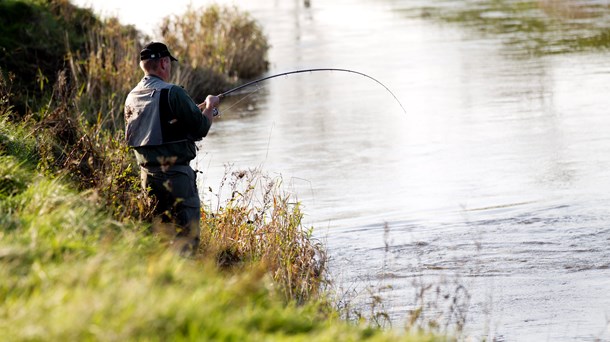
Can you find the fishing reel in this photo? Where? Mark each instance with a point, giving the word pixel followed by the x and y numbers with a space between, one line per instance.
pixel 215 111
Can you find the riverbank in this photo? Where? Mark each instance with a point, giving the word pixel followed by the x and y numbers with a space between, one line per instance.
pixel 72 272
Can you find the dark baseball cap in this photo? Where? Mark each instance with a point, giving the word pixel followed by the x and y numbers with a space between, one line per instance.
pixel 155 50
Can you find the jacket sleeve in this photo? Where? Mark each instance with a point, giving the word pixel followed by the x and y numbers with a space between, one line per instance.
pixel 187 112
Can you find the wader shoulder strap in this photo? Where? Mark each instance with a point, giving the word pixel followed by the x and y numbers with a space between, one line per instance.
pixel 166 111
pixel 171 128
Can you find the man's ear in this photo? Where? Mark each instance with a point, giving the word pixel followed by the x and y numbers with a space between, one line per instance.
pixel 162 64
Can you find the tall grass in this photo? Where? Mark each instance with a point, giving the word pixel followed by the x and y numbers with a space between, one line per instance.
pixel 103 72
pixel 260 223
pixel 219 45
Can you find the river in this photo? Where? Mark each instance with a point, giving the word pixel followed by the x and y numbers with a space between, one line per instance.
pixel 492 188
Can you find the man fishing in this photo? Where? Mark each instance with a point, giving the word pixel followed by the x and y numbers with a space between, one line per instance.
pixel 162 125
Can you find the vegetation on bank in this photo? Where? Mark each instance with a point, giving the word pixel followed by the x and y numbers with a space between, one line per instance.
pixel 80 258
pixel 529 27
pixel 72 272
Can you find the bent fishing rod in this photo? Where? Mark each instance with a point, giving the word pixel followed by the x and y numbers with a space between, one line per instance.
pixel 304 71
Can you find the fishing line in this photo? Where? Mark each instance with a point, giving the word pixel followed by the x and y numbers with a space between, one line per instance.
pixel 245 97
pixel 310 70
pixel 242 99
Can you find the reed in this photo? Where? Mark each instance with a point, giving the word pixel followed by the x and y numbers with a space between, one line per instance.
pixel 222 44
pixel 259 223
pixel 101 74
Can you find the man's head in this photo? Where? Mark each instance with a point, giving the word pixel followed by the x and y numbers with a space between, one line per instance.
pixel 155 59
pixel 155 50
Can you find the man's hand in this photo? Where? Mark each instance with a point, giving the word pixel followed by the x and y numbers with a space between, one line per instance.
pixel 210 102
pixel 208 107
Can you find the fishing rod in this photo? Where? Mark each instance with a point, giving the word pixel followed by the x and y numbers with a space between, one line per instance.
pixel 303 71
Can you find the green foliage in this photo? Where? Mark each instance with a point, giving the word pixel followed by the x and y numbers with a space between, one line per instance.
pixel 13 142
pixel 12 181
pixel 34 36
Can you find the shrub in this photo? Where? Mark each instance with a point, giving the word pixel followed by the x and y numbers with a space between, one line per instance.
pixel 33 41
pixel 216 46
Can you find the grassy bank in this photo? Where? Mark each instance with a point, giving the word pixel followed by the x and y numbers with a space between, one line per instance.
pixel 80 257
pixel 72 272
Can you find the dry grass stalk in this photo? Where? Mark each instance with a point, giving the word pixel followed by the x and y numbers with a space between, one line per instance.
pixel 260 223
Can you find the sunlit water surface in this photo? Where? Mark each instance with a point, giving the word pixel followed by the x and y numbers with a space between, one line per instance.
pixel 495 179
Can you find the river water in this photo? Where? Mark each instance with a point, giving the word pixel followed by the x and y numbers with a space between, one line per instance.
pixel 492 188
